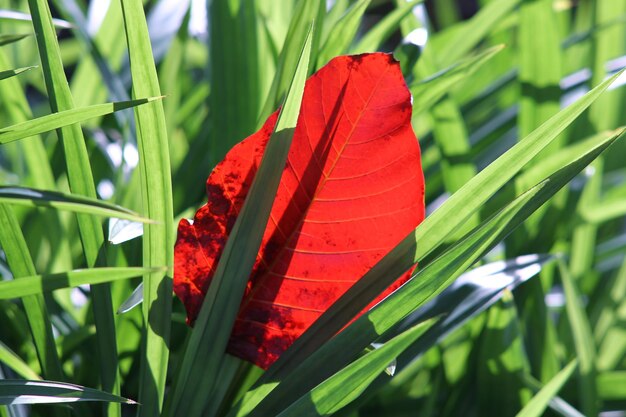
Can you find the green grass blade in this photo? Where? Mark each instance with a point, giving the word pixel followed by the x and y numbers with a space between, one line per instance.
pixel 583 343
pixel 302 362
pixel 10 38
pixel 428 91
pixel 156 191
pixel 540 65
pixel 612 385
pixel 21 264
pixel 64 118
pixel 13 72
pixel 346 385
pixel 502 362
pixel 80 177
pixel 307 12
pixel 221 304
pixel 10 359
pixel 373 39
pixel 50 392
pixel 38 284
pixel 37 198
pixel 434 229
pixel 538 404
pixel 343 33
pixel 464 38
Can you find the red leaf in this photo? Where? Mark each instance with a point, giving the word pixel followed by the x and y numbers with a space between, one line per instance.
pixel 351 190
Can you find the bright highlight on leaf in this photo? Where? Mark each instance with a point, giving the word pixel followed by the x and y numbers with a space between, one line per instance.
pixel 351 190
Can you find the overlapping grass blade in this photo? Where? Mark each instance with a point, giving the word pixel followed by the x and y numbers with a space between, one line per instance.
pixel 343 32
pixel 502 361
pixel 65 118
pixel 427 92
pixel 307 12
pixel 219 309
pixel 299 367
pixel 21 264
pixel 156 192
pixel 346 385
pixel 81 181
pixel 39 284
pixel 461 39
pixel 376 36
pixel 50 392
pixel 538 404
pixel 75 203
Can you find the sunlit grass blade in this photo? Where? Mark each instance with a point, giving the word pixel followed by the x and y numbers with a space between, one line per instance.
pixel 156 191
pixel 428 91
pixel 376 36
pixel 50 392
pixel 64 118
pixel 583 343
pixel 13 72
pixel 21 264
pixel 301 364
pixel 471 294
pixel 13 361
pixel 307 12
pixel 219 308
pixel 38 284
pixel 346 385
pixel 37 198
pixel 81 180
pixel 463 38
pixel 343 32
pixel 433 230
pixel 538 404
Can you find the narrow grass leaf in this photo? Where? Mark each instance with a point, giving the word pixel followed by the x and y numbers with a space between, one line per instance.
pixel 538 404
pixel 13 72
pixel 10 38
pixel 219 309
pixel 50 392
pixel 39 284
pixel 156 192
pixel 502 361
pixel 13 361
pixel 466 36
pixel 428 91
pixel 583 342
pixel 342 33
pixel 21 264
pixel 81 180
pixel 307 12
pixel 64 118
pixel 78 204
pixel 374 38
pixel 346 385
